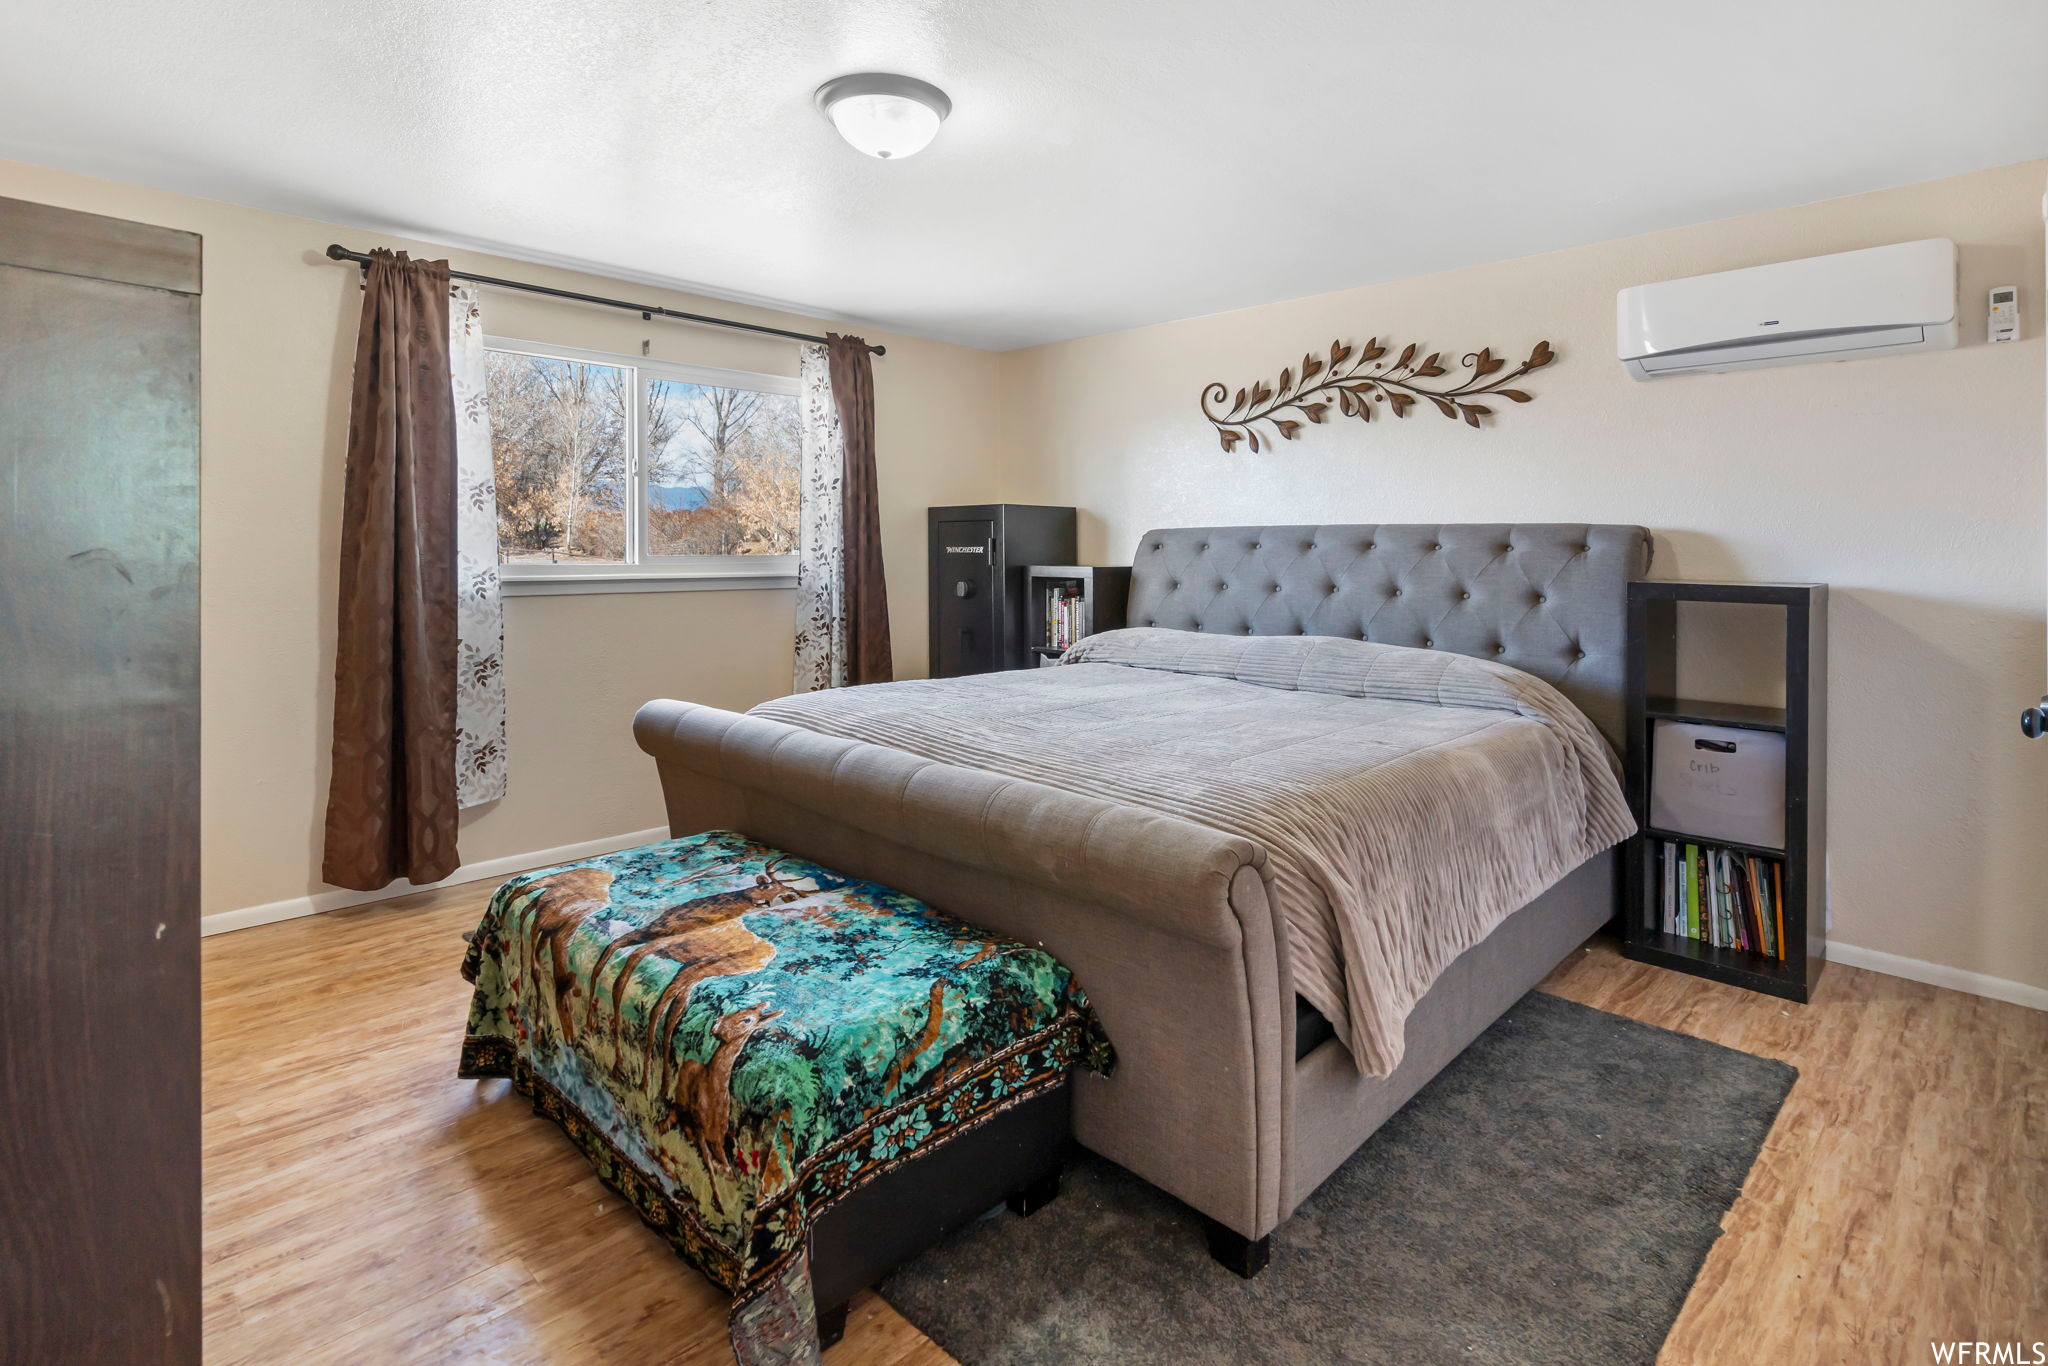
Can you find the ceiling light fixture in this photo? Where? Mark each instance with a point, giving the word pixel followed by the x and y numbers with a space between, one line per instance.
pixel 886 116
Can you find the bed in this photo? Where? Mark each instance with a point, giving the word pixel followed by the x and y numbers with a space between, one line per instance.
pixel 1247 1076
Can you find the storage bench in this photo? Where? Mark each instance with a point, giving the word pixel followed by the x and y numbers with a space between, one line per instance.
pixel 1014 1159
pixel 800 1079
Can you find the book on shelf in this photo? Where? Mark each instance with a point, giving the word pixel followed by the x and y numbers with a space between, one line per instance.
pixel 1066 615
pixel 1725 898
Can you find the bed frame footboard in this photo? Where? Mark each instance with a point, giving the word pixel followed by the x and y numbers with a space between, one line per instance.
pixel 1165 924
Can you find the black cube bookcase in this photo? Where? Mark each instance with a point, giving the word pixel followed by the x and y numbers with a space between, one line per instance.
pixel 1102 591
pixel 1652 696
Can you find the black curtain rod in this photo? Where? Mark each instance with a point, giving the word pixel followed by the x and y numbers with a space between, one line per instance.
pixel 337 252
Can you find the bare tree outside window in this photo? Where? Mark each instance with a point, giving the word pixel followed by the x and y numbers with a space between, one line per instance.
pixel 558 440
pixel 722 472
pixel 723 477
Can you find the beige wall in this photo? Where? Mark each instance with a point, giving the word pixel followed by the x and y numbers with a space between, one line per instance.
pixel 278 326
pixel 1912 485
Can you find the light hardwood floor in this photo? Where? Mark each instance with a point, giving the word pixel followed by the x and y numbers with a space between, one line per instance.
pixel 363 1205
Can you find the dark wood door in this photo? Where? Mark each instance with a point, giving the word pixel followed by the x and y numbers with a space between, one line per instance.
pixel 99 789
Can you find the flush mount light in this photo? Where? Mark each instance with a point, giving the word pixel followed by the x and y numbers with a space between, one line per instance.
pixel 885 116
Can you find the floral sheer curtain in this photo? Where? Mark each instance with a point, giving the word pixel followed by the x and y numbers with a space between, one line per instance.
pixel 842 609
pixel 480 757
pixel 820 581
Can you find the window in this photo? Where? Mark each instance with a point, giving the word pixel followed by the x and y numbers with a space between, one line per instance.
pixel 616 473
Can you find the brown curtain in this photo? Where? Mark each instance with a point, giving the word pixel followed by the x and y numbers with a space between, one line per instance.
pixel 391 806
pixel 867 599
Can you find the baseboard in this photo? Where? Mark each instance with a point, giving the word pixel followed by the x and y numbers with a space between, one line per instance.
pixel 1849 955
pixel 1939 975
pixel 341 899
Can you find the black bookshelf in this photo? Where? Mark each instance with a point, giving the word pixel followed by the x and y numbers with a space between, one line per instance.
pixel 1101 589
pixel 1652 696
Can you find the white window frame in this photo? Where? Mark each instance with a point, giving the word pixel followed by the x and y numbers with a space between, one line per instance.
pixel 645 573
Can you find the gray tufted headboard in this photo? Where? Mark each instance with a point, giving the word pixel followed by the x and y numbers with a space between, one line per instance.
pixel 1549 599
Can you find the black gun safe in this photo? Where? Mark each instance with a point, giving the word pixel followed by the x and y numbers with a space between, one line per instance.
pixel 978 557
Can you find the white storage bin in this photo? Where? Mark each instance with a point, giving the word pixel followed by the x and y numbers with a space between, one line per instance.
pixel 1718 783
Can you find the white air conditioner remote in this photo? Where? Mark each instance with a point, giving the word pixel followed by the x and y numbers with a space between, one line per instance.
pixel 2003 322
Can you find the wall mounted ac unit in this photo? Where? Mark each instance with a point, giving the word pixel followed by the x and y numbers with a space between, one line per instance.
pixel 1876 302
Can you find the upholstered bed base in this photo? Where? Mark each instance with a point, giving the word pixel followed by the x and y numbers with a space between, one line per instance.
pixel 1151 913
pixel 1335 1109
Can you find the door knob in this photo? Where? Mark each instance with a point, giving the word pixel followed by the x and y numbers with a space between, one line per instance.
pixel 2034 721
pixel 963 589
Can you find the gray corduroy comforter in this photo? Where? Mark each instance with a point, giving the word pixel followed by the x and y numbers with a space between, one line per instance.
pixel 1408 800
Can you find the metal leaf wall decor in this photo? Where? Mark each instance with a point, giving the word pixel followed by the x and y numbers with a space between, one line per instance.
pixel 1356 380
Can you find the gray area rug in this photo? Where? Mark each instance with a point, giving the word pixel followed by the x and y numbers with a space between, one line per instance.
pixel 1548 1198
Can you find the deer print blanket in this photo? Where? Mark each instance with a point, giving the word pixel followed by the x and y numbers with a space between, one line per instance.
pixel 736 1038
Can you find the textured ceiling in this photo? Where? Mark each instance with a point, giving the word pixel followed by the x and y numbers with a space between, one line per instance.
pixel 1107 164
